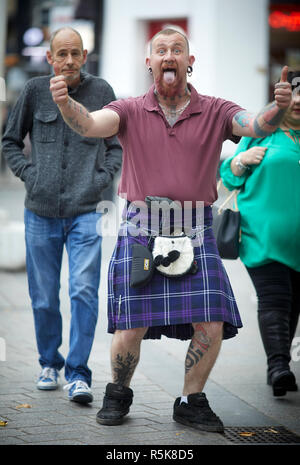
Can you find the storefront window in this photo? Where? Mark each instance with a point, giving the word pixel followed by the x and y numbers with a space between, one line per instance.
pixel 284 28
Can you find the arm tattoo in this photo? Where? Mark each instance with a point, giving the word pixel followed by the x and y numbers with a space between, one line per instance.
pixel 74 124
pixel 199 345
pixel 272 114
pixel 123 369
pixel 243 118
pixel 268 119
pixel 264 123
pixel 77 123
pixel 78 107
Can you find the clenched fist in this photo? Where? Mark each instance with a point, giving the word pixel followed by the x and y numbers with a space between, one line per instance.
pixel 253 156
pixel 58 87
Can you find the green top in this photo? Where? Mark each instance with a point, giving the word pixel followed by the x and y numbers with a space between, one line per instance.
pixel 269 201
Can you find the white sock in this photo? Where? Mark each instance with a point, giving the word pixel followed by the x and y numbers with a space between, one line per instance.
pixel 184 399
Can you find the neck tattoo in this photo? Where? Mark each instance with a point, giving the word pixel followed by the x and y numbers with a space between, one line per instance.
pixel 172 111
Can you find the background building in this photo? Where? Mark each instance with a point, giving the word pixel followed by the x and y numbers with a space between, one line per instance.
pixel 240 45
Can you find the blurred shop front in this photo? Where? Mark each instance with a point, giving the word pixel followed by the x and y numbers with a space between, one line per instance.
pixel 240 45
pixel 107 26
pixel 284 33
pixel 29 27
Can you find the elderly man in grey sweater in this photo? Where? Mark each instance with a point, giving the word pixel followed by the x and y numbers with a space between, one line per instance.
pixel 64 180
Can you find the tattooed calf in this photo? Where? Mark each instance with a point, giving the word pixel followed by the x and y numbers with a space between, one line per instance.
pixel 199 345
pixel 123 368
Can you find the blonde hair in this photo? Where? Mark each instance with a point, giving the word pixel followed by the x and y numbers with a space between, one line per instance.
pixel 168 31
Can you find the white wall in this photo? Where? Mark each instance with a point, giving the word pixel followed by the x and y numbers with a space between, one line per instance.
pixel 229 39
pixel 123 48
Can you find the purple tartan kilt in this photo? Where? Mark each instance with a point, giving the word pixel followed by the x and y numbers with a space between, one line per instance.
pixel 168 306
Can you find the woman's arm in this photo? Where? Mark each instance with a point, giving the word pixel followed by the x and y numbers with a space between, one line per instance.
pixel 253 156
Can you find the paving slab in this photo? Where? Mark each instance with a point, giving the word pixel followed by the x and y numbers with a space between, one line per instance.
pixel 236 389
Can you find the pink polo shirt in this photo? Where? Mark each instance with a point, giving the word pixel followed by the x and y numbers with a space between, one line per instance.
pixel 180 161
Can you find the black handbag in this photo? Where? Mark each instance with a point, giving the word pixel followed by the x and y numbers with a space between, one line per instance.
pixel 227 229
pixel 142 266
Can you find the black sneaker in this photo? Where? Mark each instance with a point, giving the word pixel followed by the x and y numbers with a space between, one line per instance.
pixel 197 413
pixel 116 403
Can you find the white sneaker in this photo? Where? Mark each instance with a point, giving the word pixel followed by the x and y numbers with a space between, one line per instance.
pixel 48 379
pixel 79 391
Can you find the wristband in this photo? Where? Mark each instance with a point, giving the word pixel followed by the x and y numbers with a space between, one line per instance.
pixel 239 163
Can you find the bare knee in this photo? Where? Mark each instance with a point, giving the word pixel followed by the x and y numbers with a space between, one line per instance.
pixel 211 329
pixel 129 337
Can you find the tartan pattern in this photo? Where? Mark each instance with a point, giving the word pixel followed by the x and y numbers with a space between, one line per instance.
pixel 168 306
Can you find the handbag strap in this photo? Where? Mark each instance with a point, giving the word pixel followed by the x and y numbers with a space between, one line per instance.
pixel 233 194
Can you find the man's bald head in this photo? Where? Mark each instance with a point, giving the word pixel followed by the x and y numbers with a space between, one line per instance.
pixel 64 29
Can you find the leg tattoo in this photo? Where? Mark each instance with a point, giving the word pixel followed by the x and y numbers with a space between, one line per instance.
pixel 123 369
pixel 199 345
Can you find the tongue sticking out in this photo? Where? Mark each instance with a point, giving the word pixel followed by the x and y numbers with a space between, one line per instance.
pixel 169 77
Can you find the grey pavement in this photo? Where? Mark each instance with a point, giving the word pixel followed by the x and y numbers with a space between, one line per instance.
pixel 236 389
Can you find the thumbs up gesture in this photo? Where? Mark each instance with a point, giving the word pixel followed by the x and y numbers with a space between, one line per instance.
pixel 58 87
pixel 283 90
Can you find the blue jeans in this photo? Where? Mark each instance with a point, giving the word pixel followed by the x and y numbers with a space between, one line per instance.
pixel 45 240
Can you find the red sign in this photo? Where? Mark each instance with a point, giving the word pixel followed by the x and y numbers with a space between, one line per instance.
pixel 156 26
pixel 287 20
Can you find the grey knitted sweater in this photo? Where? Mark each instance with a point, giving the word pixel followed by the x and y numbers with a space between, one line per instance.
pixel 66 172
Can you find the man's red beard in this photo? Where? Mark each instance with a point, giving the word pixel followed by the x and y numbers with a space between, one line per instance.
pixel 167 90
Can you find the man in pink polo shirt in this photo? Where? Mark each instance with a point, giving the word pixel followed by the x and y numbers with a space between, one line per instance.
pixel 172 139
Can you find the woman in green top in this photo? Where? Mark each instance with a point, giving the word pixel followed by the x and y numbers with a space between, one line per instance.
pixel 267 173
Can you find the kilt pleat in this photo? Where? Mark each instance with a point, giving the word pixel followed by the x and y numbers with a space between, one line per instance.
pixel 168 306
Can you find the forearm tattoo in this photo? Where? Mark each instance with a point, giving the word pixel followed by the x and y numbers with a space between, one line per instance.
pixel 77 123
pixel 123 368
pixel 262 124
pixel 198 347
pixel 267 119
